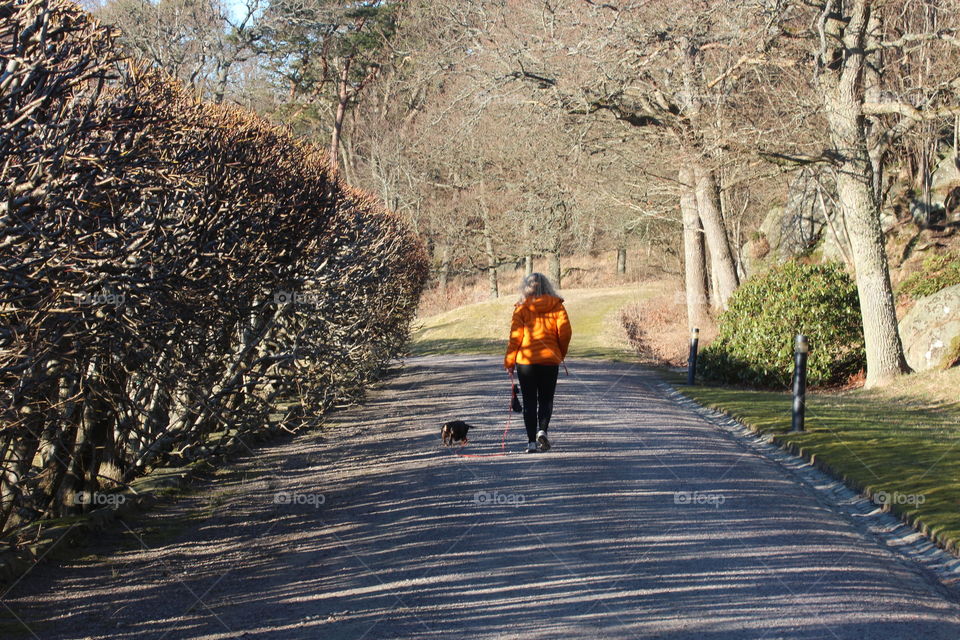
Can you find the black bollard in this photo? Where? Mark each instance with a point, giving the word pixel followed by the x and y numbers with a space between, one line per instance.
pixel 801 349
pixel 692 358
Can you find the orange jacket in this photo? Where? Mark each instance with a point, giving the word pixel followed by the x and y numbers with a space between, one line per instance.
pixel 539 333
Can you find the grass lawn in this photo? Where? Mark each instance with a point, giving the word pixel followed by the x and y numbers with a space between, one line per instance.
pixel 484 327
pixel 902 441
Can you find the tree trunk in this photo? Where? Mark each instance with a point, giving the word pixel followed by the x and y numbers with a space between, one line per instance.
pixel 57 441
pixel 621 261
pixel 444 274
pixel 489 249
pixel 491 258
pixel 223 76
pixel 842 91
pixel 343 96
pixel 492 277
pixel 17 453
pixel 527 264
pixel 591 240
pixel 694 255
pixel 555 268
pixel 712 286
pixel 722 263
pixel 347 163
pixel 885 358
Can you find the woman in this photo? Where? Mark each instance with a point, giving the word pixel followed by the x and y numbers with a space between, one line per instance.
pixel 539 337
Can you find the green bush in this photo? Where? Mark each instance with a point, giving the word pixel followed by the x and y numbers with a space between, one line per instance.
pixel 938 271
pixel 756 338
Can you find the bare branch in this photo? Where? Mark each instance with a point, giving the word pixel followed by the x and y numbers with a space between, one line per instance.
pixel 909 111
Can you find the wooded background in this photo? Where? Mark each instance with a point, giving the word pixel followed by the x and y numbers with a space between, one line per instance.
pixel 506 129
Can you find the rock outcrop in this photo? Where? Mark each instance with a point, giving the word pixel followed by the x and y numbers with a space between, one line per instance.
pixel 931 330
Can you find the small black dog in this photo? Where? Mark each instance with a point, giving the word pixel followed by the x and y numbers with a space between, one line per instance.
pixel 454 431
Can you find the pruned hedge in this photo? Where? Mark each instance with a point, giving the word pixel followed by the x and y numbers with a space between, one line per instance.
pixel 170 269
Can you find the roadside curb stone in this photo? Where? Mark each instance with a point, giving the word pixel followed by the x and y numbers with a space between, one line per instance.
pixel 897 534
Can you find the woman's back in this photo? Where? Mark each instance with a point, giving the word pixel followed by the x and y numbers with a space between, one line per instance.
pixel 540 331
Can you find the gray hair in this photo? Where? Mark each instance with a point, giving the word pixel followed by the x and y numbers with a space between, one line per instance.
pixel 535 285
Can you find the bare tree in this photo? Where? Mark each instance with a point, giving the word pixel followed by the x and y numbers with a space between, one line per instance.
pixel 695 272
pixel 326 52
pixel 200 42
pixel 855 43
pixel 649 67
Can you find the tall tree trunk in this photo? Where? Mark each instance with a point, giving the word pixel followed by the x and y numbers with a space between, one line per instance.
pixel 842 91
pixel 527 264
pixel 488 247
pixel 722 263
pixel 491 256
pixel 621 261
pixel 694 255
pixel 343 96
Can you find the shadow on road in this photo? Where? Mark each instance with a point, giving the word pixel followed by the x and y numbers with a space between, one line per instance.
pixel 643 521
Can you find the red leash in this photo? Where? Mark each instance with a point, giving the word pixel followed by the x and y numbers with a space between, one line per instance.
pixel 503 439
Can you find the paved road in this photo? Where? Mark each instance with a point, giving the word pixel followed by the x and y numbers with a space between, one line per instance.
pixel 645 521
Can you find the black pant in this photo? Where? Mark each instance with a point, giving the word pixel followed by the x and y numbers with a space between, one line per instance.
pixel 537 385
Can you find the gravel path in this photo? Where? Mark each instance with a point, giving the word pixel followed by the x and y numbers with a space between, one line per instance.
pixel 644 521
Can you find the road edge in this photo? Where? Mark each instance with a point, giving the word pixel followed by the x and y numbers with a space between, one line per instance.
pixel 896 534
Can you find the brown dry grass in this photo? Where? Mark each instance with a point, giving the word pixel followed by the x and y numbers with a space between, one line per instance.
pixel 657 328
pixel 927 390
